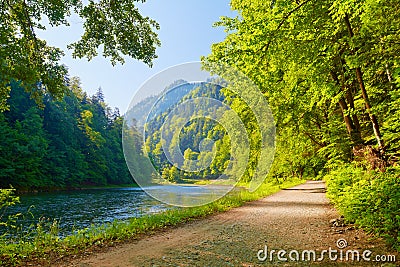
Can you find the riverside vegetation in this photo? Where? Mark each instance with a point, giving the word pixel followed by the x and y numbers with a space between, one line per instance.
pixel 330 70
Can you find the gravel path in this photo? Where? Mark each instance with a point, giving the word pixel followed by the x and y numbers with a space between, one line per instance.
pixel 298 219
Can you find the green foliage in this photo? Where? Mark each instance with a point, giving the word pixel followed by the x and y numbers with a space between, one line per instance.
pixel 392 124
pixel 7 199
pixel 190 137
pixel 117 26
pixel 120 28
pixel 328 71
pixel 211 163
pixel 369 199
pixel 69 143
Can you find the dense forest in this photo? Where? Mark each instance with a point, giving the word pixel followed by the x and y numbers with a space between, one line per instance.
pixel 330 71
pixel 68 143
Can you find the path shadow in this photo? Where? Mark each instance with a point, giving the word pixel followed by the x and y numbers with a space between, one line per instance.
pixel 310 190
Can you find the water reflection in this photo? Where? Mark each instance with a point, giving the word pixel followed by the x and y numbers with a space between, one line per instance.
pixel 188 195
pixel 81 209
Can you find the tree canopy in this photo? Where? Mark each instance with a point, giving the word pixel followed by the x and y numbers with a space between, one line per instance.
pixel 116 27
pixel 328 69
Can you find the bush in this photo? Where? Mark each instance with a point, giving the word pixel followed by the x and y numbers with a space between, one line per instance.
pixel 369 199
pixel 7 199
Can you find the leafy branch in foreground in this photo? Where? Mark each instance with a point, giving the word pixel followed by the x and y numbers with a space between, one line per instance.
pixel 116 26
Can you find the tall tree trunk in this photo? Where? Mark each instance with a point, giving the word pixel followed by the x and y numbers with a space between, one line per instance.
pixel 350 100
pixel 355 135
pixel 389 76
pixel 373 119
pixel 353 131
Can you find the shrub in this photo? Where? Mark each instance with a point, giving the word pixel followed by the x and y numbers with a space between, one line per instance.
pixel 369 199
pixel 7 199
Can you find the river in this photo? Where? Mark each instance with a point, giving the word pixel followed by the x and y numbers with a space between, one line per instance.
pixel 74 210
pixel 83 208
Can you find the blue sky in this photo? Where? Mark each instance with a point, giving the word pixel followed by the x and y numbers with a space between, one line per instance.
pixel 186 34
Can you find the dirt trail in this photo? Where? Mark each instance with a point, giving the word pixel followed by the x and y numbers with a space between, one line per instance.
pixel 293 219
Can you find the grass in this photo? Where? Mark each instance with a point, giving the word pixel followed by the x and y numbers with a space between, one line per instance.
pixel 45 246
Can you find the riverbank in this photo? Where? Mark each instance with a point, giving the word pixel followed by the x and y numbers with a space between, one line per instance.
pixel 24 191
pixel 284 229
pixel 46 247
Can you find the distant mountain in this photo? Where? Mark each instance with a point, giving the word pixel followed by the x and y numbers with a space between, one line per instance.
pixel 153 106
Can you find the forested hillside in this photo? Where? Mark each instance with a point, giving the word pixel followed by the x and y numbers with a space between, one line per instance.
pixel 191 135
pixel 61 144
pixel 209 134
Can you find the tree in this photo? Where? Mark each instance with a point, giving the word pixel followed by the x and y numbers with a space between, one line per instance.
pixel 23 152
pixel 116 26
pixel 325 66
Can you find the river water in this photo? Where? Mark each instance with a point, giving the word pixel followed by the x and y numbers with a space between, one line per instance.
pixel 74 210
pixel 84 208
